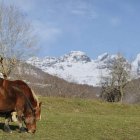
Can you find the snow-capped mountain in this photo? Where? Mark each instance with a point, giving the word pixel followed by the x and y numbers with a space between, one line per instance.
pixel 77 67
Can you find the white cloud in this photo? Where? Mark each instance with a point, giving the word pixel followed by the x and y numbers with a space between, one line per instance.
pixel 82 8
pixel 45 32
pixel 85 12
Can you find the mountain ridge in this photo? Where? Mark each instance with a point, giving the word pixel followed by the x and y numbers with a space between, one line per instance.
pixel 79 68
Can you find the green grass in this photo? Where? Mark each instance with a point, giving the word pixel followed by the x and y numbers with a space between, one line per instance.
pixel 79 119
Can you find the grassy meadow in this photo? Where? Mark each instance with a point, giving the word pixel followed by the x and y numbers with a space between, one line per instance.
pixel 82 119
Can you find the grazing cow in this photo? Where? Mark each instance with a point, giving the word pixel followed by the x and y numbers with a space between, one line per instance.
pixel 29 93
pixel 13 99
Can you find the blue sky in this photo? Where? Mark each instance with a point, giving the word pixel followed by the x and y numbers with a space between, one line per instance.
pixel 92 26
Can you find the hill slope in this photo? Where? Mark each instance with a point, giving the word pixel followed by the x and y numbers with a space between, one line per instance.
pixel 48 85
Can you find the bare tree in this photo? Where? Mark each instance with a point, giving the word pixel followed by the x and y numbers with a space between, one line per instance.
pixel 119 74
pixel 16 38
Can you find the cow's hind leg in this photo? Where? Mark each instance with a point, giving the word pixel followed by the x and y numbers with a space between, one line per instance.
pixel 6 125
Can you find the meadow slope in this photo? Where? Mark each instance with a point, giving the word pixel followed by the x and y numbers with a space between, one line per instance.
pixel 82 119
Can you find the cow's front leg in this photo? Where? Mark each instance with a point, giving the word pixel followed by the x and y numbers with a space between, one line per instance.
pixel 14 116
pixel 20 122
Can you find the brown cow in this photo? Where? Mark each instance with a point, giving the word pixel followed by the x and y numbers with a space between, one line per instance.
pixel 28 93
pixel 12 99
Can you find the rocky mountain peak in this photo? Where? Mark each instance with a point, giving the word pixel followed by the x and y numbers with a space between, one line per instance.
pixel 75 56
